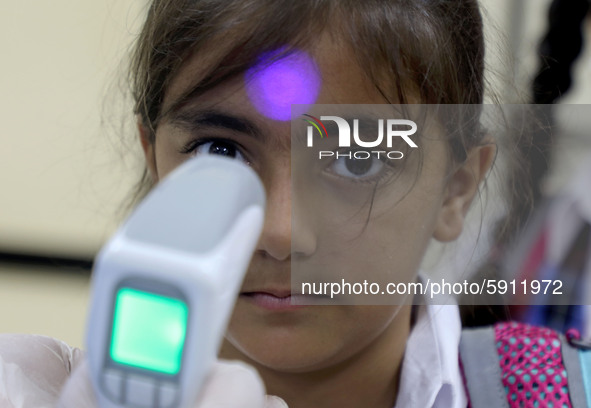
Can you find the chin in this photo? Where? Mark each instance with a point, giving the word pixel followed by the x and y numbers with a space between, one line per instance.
pixel 289 350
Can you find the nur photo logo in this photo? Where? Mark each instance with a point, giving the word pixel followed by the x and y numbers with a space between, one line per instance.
pixel 387 129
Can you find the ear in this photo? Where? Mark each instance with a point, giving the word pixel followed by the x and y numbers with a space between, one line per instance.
pixel 461 188
pixel 147 142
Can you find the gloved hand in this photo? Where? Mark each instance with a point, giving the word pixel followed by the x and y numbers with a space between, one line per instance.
pixel 34 370
pixel 231 384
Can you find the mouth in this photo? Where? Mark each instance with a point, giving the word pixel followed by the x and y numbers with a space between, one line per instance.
pixel 275 300
pixel 279 300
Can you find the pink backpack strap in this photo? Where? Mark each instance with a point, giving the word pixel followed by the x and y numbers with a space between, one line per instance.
pixel 533 372
pixel 518 365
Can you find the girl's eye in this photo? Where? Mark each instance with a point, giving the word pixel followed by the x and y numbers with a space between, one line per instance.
pixel 221 147
pixel 358 165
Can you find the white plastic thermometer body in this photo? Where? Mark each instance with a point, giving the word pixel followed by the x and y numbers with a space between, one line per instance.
pixel 164 286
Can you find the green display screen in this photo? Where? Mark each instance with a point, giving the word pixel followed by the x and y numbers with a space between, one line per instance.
pixel 148 330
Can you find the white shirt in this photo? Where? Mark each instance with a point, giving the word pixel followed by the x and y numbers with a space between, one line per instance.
pixel 430 376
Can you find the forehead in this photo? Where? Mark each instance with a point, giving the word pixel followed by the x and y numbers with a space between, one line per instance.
pixel 341 79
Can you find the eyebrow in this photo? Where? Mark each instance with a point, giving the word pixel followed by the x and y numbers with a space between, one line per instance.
pixel 192 120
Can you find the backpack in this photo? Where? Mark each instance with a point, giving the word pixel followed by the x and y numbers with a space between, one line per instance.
pixel 518 365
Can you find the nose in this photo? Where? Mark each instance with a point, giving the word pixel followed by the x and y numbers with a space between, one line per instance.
pixel 286 231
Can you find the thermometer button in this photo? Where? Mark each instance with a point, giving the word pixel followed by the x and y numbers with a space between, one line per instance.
pixel 113 384
pixel 168 394
pixel 141 391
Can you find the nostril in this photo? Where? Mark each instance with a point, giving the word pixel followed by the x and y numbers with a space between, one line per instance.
pixel 275 243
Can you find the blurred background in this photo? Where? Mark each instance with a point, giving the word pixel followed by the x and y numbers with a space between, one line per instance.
pixel 68 158
pixel 64 170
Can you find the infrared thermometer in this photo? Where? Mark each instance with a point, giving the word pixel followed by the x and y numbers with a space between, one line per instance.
pixel 164 286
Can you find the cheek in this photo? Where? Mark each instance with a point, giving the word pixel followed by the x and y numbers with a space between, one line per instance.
pixel 386 248
pixel 410 236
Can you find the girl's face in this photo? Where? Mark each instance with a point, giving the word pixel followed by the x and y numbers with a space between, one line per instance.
pixel 405 215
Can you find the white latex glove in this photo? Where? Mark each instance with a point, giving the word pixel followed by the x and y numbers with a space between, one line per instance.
pixel 33 370
pixel 231 384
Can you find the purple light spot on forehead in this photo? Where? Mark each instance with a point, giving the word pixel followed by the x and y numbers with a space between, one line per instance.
pixel 274 86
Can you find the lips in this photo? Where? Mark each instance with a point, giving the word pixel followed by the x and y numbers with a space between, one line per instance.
pixel 282 300
pixel 273 299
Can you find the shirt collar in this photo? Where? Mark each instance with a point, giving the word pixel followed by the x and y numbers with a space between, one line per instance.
pixel 430 376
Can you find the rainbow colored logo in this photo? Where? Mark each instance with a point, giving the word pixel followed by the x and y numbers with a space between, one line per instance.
pixel 317 123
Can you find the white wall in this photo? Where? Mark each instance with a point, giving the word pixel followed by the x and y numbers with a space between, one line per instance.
pixel 37 300
pixel 60 180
